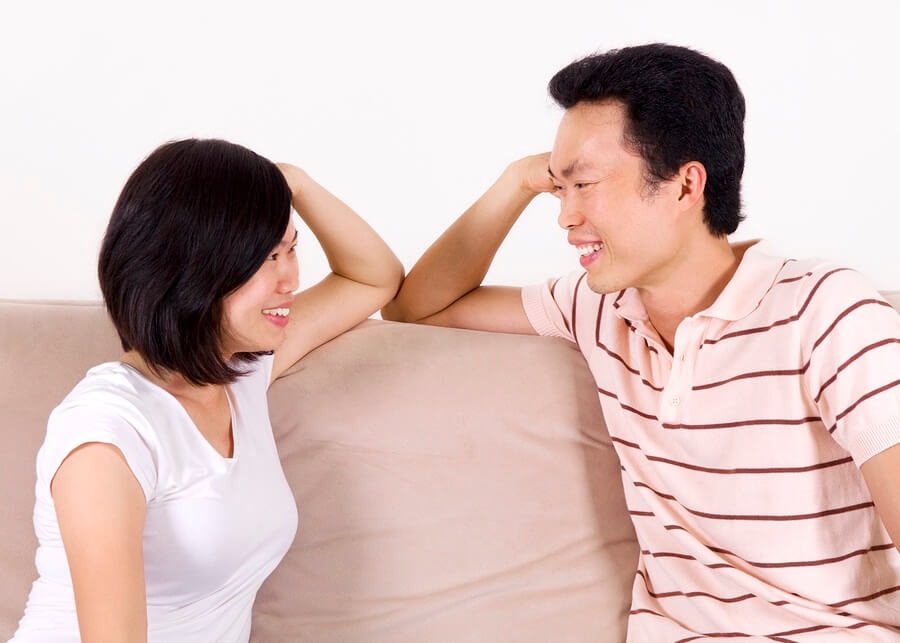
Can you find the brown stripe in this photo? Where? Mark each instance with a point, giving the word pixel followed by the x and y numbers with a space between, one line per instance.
pixel 666 554
pixel 781 565
pixel 644 610
pixel 731 635
pixel 553 289
pixel 727 425
pixel 855 357
pixel 624 406
pixel 819 628
pixel 846 312
pixel 808 563
pixel 775 637
pixel 574 329
pixel 615 355
pixel 758 517
pixel 650 514
pixel 733 599
pixel 734 470
pixel 628 368
pixel 553 297
pixel 797 371
pixel 781 322
pixel 744 376
pixel 870 597
pixel 788 280
pixel 865 397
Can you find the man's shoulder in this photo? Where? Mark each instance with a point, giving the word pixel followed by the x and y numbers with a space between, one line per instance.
pixel 813 280
pixel 819 294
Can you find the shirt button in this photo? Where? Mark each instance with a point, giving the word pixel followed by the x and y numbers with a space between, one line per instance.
pixel 675 401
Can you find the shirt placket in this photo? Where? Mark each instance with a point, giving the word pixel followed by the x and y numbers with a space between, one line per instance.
pixel 688 338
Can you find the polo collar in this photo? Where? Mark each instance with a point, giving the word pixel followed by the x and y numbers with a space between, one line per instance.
pixel 754 276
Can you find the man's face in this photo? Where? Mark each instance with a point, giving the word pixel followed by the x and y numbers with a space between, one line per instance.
pixel 624 231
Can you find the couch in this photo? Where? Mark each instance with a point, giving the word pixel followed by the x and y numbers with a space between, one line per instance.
pixel 452 485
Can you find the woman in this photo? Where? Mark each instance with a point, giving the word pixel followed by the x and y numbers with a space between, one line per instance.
pixel 161 504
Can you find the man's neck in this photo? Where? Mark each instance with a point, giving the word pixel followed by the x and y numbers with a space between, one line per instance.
pixel 696 280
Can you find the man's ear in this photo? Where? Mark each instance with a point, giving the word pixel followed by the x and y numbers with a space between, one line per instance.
pixel 692 180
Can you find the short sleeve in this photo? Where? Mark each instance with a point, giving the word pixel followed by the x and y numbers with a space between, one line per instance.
pixel 70 427
pixel 853 361
pixel 549 306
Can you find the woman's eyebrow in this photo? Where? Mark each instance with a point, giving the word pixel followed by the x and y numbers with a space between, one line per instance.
pixel 291 242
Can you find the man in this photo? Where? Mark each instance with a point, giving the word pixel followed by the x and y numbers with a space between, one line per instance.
pixel 754 401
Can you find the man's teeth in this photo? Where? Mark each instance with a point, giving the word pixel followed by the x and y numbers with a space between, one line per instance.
pixel 589 248
pixel 280 312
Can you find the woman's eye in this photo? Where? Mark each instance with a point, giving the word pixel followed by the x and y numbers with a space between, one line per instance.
pixel 293 249
pixel 273 256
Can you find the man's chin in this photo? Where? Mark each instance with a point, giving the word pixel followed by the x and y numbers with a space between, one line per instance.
pixel 602 286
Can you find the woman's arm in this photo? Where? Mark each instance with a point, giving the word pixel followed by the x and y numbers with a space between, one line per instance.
pixel 101 509
pixel 365 273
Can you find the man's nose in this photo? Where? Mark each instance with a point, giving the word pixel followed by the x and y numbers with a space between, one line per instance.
pixel 569 214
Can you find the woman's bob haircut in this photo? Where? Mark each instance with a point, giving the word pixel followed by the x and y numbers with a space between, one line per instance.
pixel 194 222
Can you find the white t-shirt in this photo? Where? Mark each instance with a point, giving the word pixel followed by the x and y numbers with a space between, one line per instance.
pixel 215 527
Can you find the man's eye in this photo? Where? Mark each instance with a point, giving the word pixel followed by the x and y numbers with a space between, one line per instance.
pixel 293 249
pixel 273 256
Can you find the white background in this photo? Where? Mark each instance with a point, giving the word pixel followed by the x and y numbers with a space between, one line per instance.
pixel 409 110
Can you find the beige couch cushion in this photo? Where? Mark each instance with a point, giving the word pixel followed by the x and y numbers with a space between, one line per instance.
pixel 453 486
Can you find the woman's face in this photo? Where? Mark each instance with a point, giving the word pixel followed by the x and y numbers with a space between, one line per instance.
pixel 256 315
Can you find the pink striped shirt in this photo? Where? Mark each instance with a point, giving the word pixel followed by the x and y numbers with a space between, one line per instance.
pixel 740 451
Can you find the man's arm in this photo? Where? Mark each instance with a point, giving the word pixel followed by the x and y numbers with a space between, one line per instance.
pixel 882 475
pixel 444 287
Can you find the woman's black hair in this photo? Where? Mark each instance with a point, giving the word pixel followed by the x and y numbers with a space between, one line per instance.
pixel 194 222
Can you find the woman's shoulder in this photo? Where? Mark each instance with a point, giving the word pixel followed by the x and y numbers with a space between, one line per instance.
pixel 109 386
pixel 106 406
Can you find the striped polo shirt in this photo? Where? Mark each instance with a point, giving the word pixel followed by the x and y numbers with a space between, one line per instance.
pixel 740 450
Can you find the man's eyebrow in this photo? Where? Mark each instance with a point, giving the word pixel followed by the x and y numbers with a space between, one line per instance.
pixel 569 170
